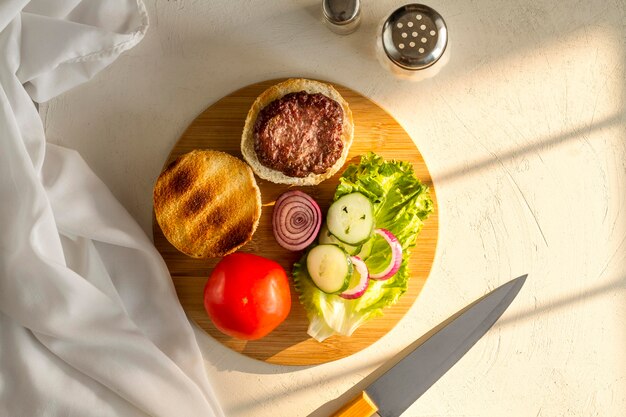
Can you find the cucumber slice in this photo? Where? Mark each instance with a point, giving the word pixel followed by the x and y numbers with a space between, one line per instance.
pixel 325 237
pixel 351 218
pixel 330 268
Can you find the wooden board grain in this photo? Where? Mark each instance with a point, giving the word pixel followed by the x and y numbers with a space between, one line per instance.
pixel 219 127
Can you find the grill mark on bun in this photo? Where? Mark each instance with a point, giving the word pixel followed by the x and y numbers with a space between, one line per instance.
pixel 217 217
pixel 212 220
pixel 234 236
pixel 225 223
pixel 182 180
pixel 198 200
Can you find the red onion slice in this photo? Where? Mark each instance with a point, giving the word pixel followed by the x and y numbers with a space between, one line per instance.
pixel 396 256
pixel 357 288
pixel 296 220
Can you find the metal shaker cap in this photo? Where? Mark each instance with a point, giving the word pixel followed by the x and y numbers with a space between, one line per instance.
pixel 414 36
pixel 342 16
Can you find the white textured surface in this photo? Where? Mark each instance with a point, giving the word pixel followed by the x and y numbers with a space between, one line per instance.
pixel 524 131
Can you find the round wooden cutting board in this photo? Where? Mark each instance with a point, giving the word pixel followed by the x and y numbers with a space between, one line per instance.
pixel 219 127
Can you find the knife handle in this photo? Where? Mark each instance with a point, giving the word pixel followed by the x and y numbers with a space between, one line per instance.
pixel 360 406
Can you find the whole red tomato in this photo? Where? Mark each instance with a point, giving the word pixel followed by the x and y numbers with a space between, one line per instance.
pixel 247 296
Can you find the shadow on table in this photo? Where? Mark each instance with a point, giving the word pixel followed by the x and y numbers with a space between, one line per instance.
pixel 540 145
pixel 609 287
pixel 332 406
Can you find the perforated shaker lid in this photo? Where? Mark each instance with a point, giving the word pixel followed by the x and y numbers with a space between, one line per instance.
pixel 414 36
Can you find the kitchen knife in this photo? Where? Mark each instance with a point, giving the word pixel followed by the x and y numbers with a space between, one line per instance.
pixel 394 391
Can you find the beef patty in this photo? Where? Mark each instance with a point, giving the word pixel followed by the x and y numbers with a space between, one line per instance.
pixel 299 134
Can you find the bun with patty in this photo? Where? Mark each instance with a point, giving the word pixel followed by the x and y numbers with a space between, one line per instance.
pixel 207 203
pixel 298 132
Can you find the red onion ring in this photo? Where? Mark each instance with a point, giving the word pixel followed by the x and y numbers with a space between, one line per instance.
pixel 361 287
pixel 396 256
pixel 296 220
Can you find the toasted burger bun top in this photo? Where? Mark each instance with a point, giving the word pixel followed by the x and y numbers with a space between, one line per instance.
pixel 276 92
pixel 207 203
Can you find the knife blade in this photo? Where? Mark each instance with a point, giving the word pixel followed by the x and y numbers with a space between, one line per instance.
pixel 394 391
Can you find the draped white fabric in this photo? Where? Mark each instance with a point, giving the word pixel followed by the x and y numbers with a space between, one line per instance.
pixel 89 321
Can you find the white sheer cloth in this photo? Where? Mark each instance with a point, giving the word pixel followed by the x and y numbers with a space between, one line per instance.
pixel 89 321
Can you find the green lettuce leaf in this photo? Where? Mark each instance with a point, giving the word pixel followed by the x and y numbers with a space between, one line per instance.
pixel 401 204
